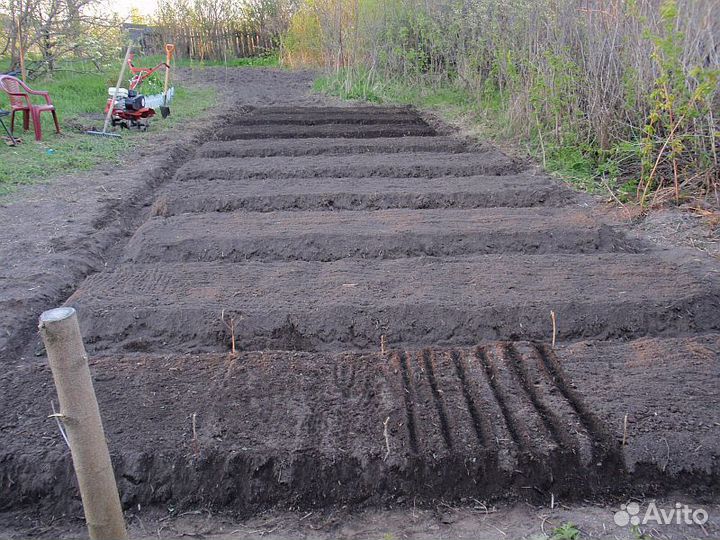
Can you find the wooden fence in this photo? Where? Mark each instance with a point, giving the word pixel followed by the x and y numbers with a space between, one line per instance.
pixel 212 45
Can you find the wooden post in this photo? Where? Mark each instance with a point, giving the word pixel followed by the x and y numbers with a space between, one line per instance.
pixel 81 416
pixel 21 47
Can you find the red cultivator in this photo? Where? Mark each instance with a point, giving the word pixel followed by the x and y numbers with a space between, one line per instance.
pixel 130 107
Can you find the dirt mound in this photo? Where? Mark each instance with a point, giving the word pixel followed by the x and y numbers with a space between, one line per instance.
pixel 382 234
pixel 407 165
pixel 309 430
pixel 267 195
pixel 351 303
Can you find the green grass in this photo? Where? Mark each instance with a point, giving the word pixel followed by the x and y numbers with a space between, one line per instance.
pixel 485 114
pixel 80 99
pixel 265 61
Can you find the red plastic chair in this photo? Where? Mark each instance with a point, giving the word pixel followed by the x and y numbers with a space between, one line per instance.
pixel 19 94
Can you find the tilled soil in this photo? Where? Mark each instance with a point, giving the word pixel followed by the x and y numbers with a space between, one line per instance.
pixel 355 303
pixel 390 292
pixel 384 234
pixel 308 430
pixel 360 194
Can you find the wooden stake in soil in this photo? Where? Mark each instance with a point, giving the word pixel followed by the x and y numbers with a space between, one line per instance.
pixel 80 414
pixel 554 324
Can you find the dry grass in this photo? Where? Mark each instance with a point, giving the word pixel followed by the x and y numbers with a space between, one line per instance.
pixel 629 85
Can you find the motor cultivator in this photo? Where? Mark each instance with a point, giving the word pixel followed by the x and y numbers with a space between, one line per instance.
pixel 131 108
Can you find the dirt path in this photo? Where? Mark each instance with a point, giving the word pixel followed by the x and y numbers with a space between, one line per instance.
pixel 390 291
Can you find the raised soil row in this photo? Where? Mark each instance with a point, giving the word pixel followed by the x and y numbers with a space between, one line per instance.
pixel 299 430
pixel 351 303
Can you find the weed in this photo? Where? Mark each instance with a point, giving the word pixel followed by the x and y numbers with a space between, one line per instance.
pixel 566 531
pixel 618 98
pixel 638 534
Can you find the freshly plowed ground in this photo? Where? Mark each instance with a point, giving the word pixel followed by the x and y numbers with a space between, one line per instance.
pixel 384 234
pixel 270 194
pixel 307 429
pixel 389 292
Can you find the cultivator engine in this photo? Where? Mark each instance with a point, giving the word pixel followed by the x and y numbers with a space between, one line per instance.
pixel 131 108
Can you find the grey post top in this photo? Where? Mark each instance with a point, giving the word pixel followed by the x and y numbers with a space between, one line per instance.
pixel 57 314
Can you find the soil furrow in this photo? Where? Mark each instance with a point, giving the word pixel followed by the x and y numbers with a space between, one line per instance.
pixel 318 147
pixel 429 371
pixel 516 429
pixel 561 430
pixel 365 118
pixel 337 130
pixel 408 393
pixel 593 425
pixel 503 450
pixel 480 422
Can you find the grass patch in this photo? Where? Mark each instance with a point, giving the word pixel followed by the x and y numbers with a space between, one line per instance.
pixel 485 114
pixel 270 60
pixel 79 99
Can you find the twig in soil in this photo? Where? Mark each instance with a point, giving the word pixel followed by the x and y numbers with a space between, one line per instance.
pixel 231 328
pixel 618 201
pixel 625 424
pixel 382 344
pixel 542 524
pixel 57 416
pixel 387 438
pixel 554 324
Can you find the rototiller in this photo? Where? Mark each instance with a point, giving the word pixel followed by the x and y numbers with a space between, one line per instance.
pixel 132 109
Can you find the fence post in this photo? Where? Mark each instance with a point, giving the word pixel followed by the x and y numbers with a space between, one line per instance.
pixel 80 414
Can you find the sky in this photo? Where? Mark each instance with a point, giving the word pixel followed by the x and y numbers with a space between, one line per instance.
pixel 123 7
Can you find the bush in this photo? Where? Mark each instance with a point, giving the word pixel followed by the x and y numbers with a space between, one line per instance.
pixel 628 87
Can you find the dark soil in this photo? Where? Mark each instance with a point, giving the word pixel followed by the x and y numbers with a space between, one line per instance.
pixel 302 430
pixel 407 165
pixel 391 292
pixel 381 234
pixel 342 147
pixel 274 131
pixel 266 195
pixel 351 303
